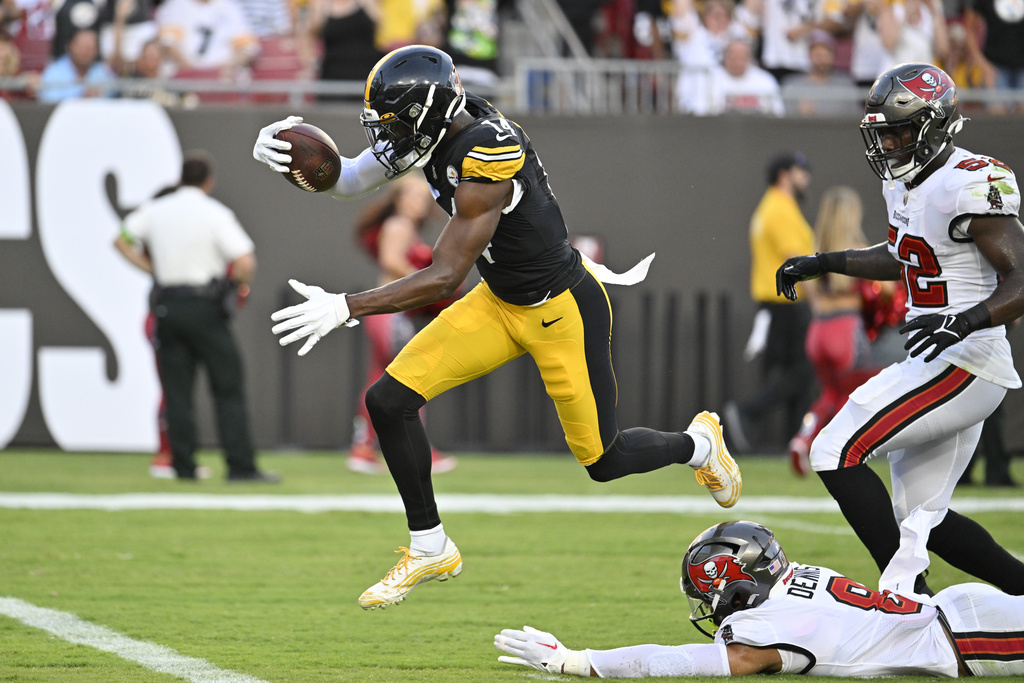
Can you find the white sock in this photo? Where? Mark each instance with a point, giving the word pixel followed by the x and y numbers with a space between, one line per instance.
pixel 701 450
pixel 428 542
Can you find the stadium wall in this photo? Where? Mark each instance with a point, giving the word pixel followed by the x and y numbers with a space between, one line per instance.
pixel 76 370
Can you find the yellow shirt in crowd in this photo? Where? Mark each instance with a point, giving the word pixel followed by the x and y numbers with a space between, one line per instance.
pixel 778 231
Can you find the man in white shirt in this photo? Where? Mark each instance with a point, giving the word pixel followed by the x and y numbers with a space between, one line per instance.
pixel 770 615
pixel 189 242
pixel 741 86
pixel 206 35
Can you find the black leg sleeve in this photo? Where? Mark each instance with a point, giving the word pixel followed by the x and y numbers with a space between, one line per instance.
pixel 866 504
pixel 966 545
pixel 641 449
pixel 394 410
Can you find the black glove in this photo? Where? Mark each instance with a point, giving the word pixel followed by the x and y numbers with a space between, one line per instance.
pixel 939 331
pixel 794 270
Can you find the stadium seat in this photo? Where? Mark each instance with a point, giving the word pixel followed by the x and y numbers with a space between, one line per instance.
pixel 278 60
pixel 192 74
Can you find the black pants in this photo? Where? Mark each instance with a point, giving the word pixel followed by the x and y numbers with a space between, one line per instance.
pixel 191 331
pixel 788 380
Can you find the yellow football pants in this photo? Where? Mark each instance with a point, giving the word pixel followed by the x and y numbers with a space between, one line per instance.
pixel 568 337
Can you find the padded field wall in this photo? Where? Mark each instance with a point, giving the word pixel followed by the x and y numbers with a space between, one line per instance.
pixel 681 187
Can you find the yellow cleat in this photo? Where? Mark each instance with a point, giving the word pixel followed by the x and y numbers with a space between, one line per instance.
pixel 721 475
pixel 410 572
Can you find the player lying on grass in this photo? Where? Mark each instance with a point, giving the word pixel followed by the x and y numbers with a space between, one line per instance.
pixel 538 296
pixel 770 615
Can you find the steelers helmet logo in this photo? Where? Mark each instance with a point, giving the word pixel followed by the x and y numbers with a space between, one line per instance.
pixel 453 176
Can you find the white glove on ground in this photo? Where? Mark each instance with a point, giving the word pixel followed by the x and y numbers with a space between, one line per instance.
pixel 532 648
pixel 268 148
pixel 313 318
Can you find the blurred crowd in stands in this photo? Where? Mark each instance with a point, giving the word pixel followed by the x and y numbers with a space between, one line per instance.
pixel 770 57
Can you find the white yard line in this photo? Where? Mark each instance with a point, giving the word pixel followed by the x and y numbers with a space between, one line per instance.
pixel 67 626
pixel 457 502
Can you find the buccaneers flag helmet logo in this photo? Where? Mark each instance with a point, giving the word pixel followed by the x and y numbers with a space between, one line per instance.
pixel 930 84
pixel 716 572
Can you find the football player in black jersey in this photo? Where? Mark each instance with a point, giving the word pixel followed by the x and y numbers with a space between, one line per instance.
pixel 538 296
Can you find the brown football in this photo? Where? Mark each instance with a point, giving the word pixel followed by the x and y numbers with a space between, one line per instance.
pixel 316 164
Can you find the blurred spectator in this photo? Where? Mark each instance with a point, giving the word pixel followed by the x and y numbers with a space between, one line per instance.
pixel 819 92
pixel 269 17
pixel 868 57
pixel 10 58
pixel 913 31
pixel 126 26
pixel 837 341
pixel 390 232
pixel 698 43
pixel 963 67
pixel 410 22
pixel 1001 55
pixel 741 86
pixel 206 35
pixel 786 26
pixel 778 230
pixel 10 66
pixel 10 13
pixel 652 28
pixel 345 31
pixel 79 73
pixel 145 72
pixel 473 40
pixel 70 17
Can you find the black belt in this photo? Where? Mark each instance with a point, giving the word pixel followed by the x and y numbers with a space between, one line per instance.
pixel 211 290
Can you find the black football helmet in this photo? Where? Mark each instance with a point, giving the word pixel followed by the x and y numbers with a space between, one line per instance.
pixel 728 568
pixel 411 97
pixel 920 98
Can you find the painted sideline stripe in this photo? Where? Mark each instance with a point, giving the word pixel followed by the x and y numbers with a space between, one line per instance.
pixel 67 626
pixel 454 502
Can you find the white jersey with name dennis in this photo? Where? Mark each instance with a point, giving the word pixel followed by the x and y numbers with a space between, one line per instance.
pixel 942 267
pixel 825 624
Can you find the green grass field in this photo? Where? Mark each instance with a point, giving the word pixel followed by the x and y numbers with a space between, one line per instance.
pixel 271 594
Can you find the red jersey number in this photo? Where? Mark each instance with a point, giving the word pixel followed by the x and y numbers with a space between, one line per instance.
pixel 849 592
pixel 924 290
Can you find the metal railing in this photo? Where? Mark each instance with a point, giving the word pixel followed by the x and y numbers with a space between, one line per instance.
pixel 537 85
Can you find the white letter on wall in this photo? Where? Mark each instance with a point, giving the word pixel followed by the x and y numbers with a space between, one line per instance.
pixel 84 410
pixel 15 324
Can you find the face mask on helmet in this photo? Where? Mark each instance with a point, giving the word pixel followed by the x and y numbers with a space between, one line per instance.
pixel 411 97
pixel 910 117
pixel 729 568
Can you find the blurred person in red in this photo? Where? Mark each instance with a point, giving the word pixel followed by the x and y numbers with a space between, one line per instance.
pixel 390 232
pixel 843 311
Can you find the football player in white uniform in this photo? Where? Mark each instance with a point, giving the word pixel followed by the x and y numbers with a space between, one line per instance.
pixel 770 615
pixel 956 241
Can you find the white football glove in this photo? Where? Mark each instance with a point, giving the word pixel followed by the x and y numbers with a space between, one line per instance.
pixel 530 647
pixel 314 318
pixel 268 148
